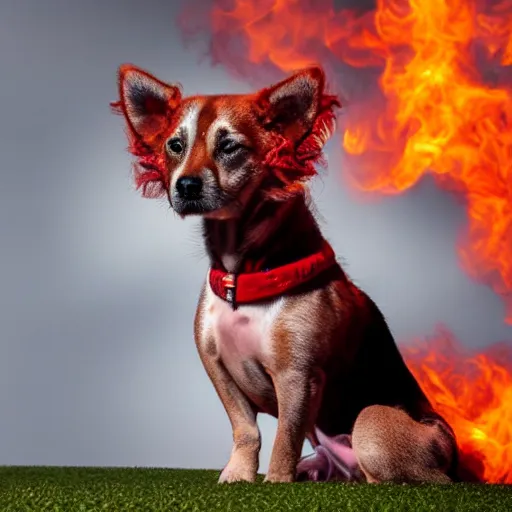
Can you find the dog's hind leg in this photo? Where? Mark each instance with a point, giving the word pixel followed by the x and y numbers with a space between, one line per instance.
pixel 392 447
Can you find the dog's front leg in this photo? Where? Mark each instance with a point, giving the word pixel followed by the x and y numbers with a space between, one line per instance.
pixel 244 460
pixel 298 396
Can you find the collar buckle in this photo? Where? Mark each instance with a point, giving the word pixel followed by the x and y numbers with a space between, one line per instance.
pixel 229 283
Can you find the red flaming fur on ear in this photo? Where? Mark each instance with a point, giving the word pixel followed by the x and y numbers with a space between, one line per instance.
pixel 291 162
pixel 147 105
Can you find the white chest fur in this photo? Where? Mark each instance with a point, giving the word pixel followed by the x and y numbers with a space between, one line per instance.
pixel 243 337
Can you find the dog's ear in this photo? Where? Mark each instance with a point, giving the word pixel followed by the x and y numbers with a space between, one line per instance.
pixel 146 102
pixel 292 105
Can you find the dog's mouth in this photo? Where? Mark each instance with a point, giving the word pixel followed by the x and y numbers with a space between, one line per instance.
pixel 210 207
pixel 190 207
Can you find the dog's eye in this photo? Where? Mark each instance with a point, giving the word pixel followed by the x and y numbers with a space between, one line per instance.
pixel 230 146
pixel 175 146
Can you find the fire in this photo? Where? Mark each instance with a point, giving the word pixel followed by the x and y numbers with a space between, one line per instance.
pixel 441 116
pixel 442 106
pixel 474 394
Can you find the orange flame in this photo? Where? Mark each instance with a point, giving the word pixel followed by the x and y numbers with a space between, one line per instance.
pixel 474 395
pixel 443 107
pixel 441 118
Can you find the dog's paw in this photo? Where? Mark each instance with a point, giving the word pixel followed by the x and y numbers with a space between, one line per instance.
pixel 276 478
pixel 237 471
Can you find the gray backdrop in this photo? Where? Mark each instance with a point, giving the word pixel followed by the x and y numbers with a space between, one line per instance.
pixel 98 286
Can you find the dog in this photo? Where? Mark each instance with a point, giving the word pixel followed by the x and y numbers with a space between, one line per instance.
pixel 280 328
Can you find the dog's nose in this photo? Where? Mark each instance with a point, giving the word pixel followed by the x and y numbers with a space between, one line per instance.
pixel 189 187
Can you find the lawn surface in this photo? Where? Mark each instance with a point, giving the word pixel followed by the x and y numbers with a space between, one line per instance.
pixel 87 489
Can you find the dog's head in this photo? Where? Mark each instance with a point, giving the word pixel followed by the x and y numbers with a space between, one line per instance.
pixel 208 154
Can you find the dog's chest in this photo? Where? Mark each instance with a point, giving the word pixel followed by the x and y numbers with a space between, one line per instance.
pixel 243 339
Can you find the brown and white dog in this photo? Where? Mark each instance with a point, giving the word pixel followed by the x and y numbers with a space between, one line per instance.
pixel 280 328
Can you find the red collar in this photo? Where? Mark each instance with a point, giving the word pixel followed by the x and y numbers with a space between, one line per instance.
pixel 250 287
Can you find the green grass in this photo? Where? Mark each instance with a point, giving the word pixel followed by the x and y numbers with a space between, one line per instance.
pixel 89 489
